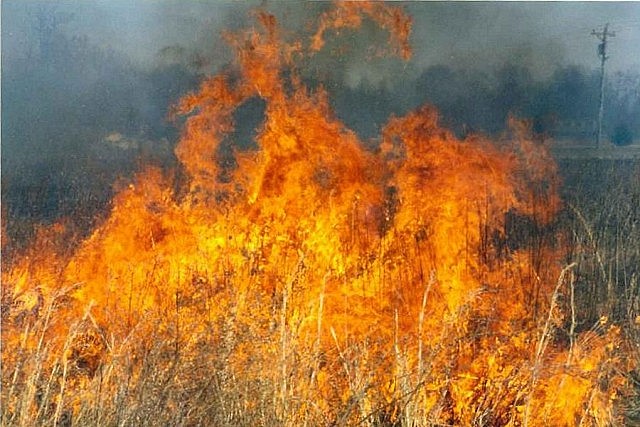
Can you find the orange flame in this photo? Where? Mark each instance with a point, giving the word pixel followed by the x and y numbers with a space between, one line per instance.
pixel 355 285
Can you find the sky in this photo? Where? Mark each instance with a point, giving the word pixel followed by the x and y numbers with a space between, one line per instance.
pixel 540 35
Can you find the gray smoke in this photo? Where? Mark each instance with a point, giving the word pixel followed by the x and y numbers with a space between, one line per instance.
pixel 86 86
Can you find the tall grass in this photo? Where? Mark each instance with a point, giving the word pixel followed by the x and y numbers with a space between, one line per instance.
pixel 183 366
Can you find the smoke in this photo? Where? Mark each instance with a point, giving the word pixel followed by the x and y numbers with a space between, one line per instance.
pixel 542 36
pixel 75 73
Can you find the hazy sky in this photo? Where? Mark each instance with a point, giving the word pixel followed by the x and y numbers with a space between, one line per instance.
pixel 479 34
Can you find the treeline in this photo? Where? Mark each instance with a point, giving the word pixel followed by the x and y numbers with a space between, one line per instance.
pixel 562 106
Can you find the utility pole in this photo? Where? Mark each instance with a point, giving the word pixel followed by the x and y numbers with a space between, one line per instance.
pixel 602 53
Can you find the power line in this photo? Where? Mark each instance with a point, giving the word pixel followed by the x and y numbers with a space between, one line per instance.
pixel 602 53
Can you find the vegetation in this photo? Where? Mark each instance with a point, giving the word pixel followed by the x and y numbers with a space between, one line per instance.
pixel 167 368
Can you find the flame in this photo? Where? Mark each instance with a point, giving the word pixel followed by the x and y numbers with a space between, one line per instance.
pixel 350 284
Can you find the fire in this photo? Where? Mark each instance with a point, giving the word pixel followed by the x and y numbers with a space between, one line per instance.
pixel 320 282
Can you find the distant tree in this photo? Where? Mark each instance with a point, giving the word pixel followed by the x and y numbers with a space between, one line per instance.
pixel 365 108
pixel 513 90
pixel 622 135
pixel 440 85
pixel 622 109
pixel 572 94
pixel 462 98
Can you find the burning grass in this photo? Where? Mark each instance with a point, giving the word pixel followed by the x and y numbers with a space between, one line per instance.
pixel 319 283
